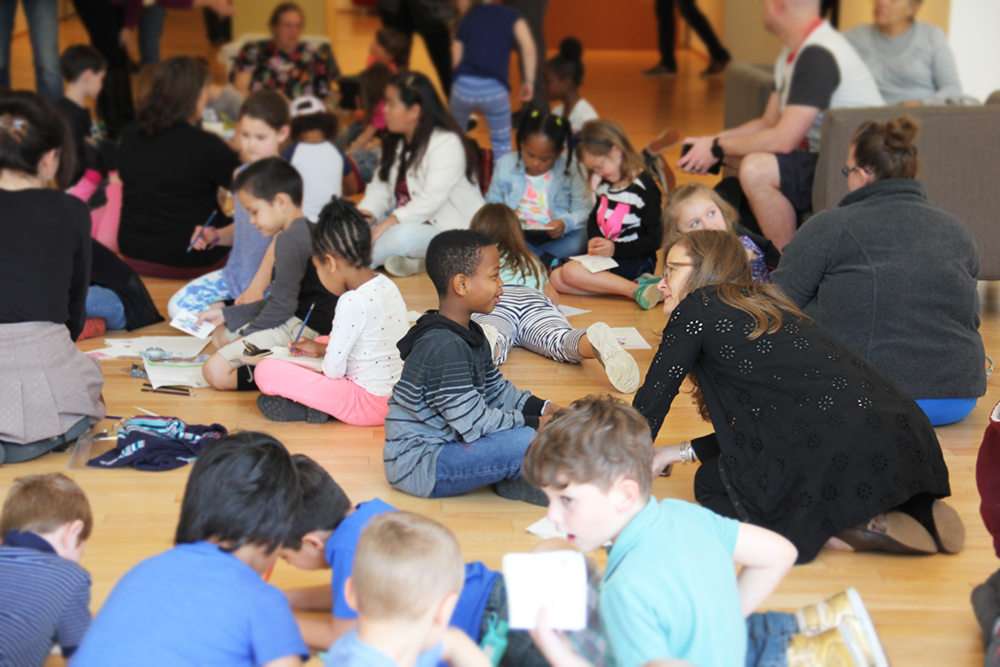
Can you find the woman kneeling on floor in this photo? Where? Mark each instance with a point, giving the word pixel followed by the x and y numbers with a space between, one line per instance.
pixel 810 441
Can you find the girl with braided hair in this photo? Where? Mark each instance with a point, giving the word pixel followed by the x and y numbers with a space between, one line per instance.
pixel 360 360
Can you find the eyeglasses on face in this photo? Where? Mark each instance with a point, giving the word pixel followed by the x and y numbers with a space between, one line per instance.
pixel 671 267
pixel 846 171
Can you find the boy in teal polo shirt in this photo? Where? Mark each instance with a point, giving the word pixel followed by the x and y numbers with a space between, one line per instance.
pixel 670 589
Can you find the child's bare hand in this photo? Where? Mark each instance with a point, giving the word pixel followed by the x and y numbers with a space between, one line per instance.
pixel 556 229
pixel 210 237
pixel 212 315
pixel 600 246
pixel 554 645
pixel 307 348
pixel 527 92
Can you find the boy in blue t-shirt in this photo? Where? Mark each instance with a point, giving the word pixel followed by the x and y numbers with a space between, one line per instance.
pixel 670 590
pixel 205 602
pixel 44 593
pixel 325 534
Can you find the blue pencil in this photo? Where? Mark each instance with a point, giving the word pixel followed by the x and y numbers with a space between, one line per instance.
pixel 304 322
pixel 206 226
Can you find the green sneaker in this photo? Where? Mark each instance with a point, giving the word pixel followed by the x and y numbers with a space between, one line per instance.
pixel 647 295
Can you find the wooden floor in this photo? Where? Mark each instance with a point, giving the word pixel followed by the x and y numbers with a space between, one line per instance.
pixel 920 605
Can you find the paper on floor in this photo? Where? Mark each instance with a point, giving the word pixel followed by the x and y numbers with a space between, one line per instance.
pixel 184 347
pixel 630 338
pixel 570 311
pixel 595 263
pixel 554 580
pixel 169 374
pixel 281 352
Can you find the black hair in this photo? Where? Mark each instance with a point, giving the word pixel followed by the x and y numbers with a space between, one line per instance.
pixel 416 88
pixel 343 232
pixel 568 64
pixel 372 83
pixel 78 58
pixel 324 503
pixel 30 127
pixel 555 128
pixel 397 44
pixel 267 106
pixel 243 489
pixel 266 179
pixel 457 251
pixel 323 121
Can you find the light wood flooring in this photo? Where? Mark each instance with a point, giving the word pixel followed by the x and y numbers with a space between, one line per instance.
pixel 920 605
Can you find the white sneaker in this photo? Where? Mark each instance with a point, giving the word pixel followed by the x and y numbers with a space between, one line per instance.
pixel 845 608
pixel 621 368
pixel 401 267
pixel 492 335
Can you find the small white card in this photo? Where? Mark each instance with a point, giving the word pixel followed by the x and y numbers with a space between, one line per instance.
pixel 570 311
pixel 630 338
pixel 188 323
pixel 595 263
pixel 553 580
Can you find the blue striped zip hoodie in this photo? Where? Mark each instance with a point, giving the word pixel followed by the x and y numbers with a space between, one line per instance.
pixel 450 393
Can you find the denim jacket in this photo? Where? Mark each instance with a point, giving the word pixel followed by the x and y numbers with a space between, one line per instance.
pixel 568 196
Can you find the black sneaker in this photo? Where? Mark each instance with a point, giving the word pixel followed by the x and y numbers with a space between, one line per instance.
pixel 716 67
pixel 281 409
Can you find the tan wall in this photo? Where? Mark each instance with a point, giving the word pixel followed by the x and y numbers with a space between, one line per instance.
pixel 748 41
pixel 251 16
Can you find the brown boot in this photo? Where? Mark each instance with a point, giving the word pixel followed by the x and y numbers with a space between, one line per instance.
pixel 894 532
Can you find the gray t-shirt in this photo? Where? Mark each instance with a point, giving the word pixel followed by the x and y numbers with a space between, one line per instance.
pixel 917 65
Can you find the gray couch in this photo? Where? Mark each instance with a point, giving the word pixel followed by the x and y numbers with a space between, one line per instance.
pixel 957 145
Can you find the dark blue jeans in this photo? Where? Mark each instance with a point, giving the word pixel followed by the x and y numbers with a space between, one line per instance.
pixel 466 466
pixel 43 27
pixel 767 638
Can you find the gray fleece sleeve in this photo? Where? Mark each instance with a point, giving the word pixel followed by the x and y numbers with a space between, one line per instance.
pixel 291 258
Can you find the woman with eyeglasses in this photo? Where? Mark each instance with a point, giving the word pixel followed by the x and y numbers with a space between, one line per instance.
pixel 809 440
pixel 894 277
pixel 427 177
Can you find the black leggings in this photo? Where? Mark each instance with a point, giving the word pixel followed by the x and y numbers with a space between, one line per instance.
pixel 698 23
pixel 435 34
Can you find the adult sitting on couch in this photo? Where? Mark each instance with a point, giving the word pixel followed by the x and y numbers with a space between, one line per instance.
pixel 817 70
pixel 894 277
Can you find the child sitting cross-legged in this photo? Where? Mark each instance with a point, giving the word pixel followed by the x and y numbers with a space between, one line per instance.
pixel 405 585
pixel 670 590
pixel 205 602
pixel 360 360
pixel 325 535
pixel 455 424
pixel 271 191
pixel 46 594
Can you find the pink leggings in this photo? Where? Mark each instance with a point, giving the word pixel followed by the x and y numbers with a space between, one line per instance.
pixel 341 398
pixel 104 220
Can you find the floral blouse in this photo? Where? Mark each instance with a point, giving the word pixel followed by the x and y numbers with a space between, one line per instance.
pixel 307 70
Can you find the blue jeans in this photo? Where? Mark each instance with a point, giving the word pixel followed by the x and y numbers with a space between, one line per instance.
pixel 43 27
pixel 409 240
pixel 942 411
pixel 150 32
pixel 105 304
pixel 567 245
pixel 767 638
pixel 469 93
pixel 466 466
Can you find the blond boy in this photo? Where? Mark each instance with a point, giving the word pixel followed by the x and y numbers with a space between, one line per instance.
pixel 408 573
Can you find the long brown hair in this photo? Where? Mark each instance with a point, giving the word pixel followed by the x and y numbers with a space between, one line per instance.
pixel 502 225
pixel 717 258
pixel 173 96
pixel 598 137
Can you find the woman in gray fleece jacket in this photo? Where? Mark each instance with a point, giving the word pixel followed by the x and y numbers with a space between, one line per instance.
pixel 894 277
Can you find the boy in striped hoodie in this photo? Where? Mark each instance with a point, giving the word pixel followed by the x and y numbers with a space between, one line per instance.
pixel 455 424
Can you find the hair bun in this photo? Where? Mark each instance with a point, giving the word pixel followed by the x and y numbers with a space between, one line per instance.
pixel 571 48
pixel 900 133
